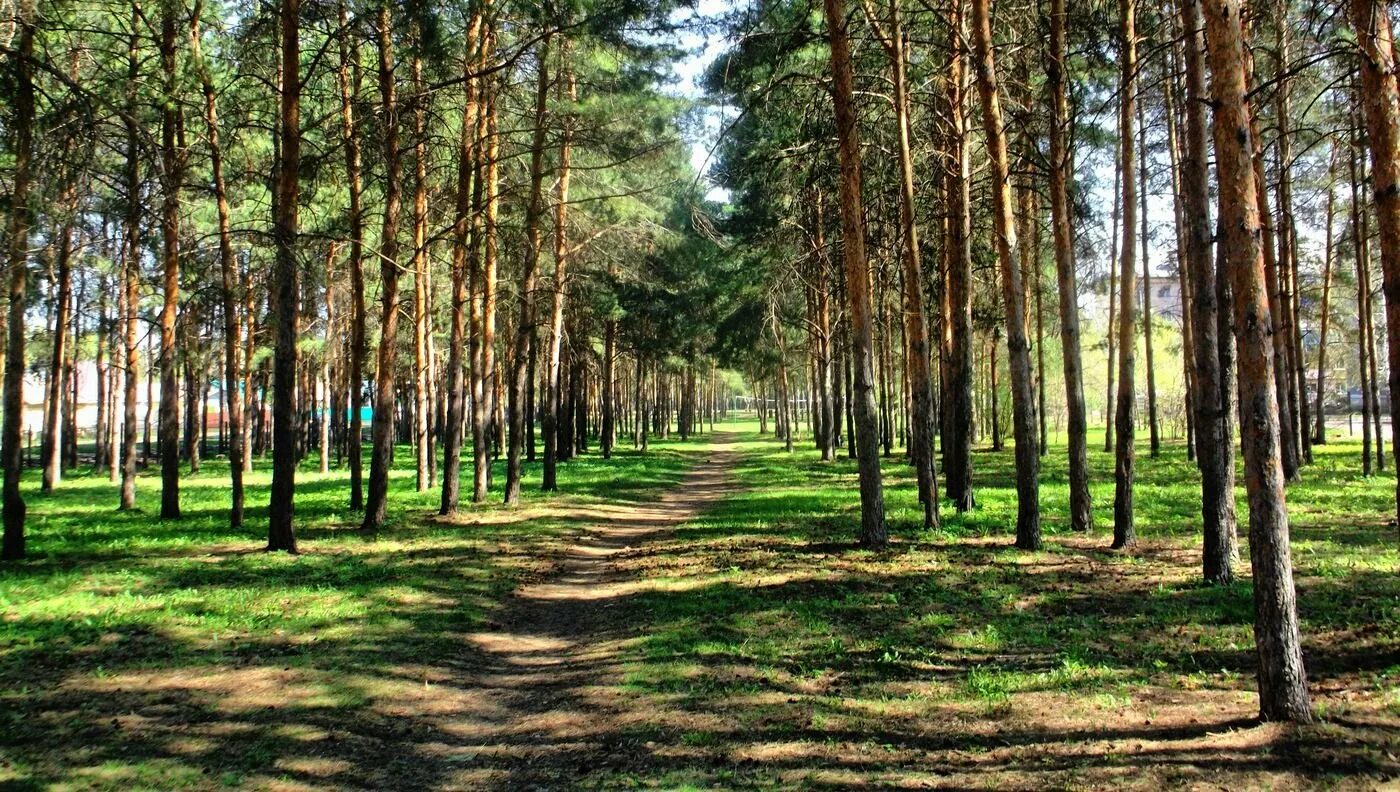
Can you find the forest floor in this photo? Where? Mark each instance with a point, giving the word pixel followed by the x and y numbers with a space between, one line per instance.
pixel 694 618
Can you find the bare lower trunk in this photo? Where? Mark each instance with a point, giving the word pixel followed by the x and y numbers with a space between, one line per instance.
pixel 916 333
pixel 1215 448
pixel 522 368
pixel 1283 691
pixel 382 453
pixel 1124 533
pixel 957 407
pixel 1061 169
pixel 172 165
pixel 348 77
pixel 51 450
pixel 131 270
pixel 1381 91
pixel 280 510
pixel 873 532
pixel 1013 293
pixel 17 235
pixel 553 395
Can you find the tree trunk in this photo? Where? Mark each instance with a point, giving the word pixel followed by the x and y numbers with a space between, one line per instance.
pixel 280 509
pixel 1329 251
pixel 553 397
pixel 1381 105
pixel 1154 439
pixel 1363 293
pixel 957 252
pixel 1061 171
pixel 873 531
pixel 348 77
pixel 1283 691
pixel 1013 293
pixel 917 361
pixel 51 450
pixel 17 234
pixel 172 167
pixel 1124 534
pixel 1215 450
pixel 522 362
pixel 131 267
pixel 1113 264
pixel 465 247
pixel 1288 439
pixel 382 453
pixel 228 273
pixel 1288 244
pixel 489 373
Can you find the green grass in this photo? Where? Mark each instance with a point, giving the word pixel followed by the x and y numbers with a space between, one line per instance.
pixel 760 649
pixel 955 626
pixel 109 602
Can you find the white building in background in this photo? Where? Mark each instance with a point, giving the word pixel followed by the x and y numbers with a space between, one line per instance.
pixel 36 389
pixel 1166 296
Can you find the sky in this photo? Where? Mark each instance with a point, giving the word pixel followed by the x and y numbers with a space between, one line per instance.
pixel 700 49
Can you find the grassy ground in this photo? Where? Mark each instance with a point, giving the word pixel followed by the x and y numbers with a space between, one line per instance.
pixel 123 637
pixel 752 647
pixel 955 660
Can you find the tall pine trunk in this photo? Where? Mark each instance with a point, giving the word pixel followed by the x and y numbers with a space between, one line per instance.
pixel 1018 356
pixel 519 409
pixel 172 167
pixel 1061 171
pixel 873 532
pixel 382 453
pixel 17 234
pixel 553 397
pixel 1124 533
pixel 131 267
pixel 1283 693
pixel 1381 106
pixel 228 280
pixel 280 510
pixel 917 360
pixel 1215 450
pixel 957 253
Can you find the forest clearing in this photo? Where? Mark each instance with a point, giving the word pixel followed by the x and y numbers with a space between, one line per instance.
pixel 766 394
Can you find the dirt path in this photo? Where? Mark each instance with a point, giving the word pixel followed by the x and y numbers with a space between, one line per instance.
pixel 550 699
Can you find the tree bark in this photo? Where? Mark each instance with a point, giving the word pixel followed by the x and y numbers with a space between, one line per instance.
pixel 1154 439
pixel 1124 533
pixel 51 450
pixel 489 373
pixel 382 453
pixel 131 267
pixel 228 274
pixel 17 235
pixel 172 168
pixel 1061 171
pixel 522 369
pixel 1283 691
pixel 916 334
pixel 553 396
pixel 1381 107
pixel 873 532
pixel 1288 439
pixel 957 252
pixel 280 533
pixel 1013 293
pixel 348 78
pixel 1215 450
pixel 1329 252
pixel 465 247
